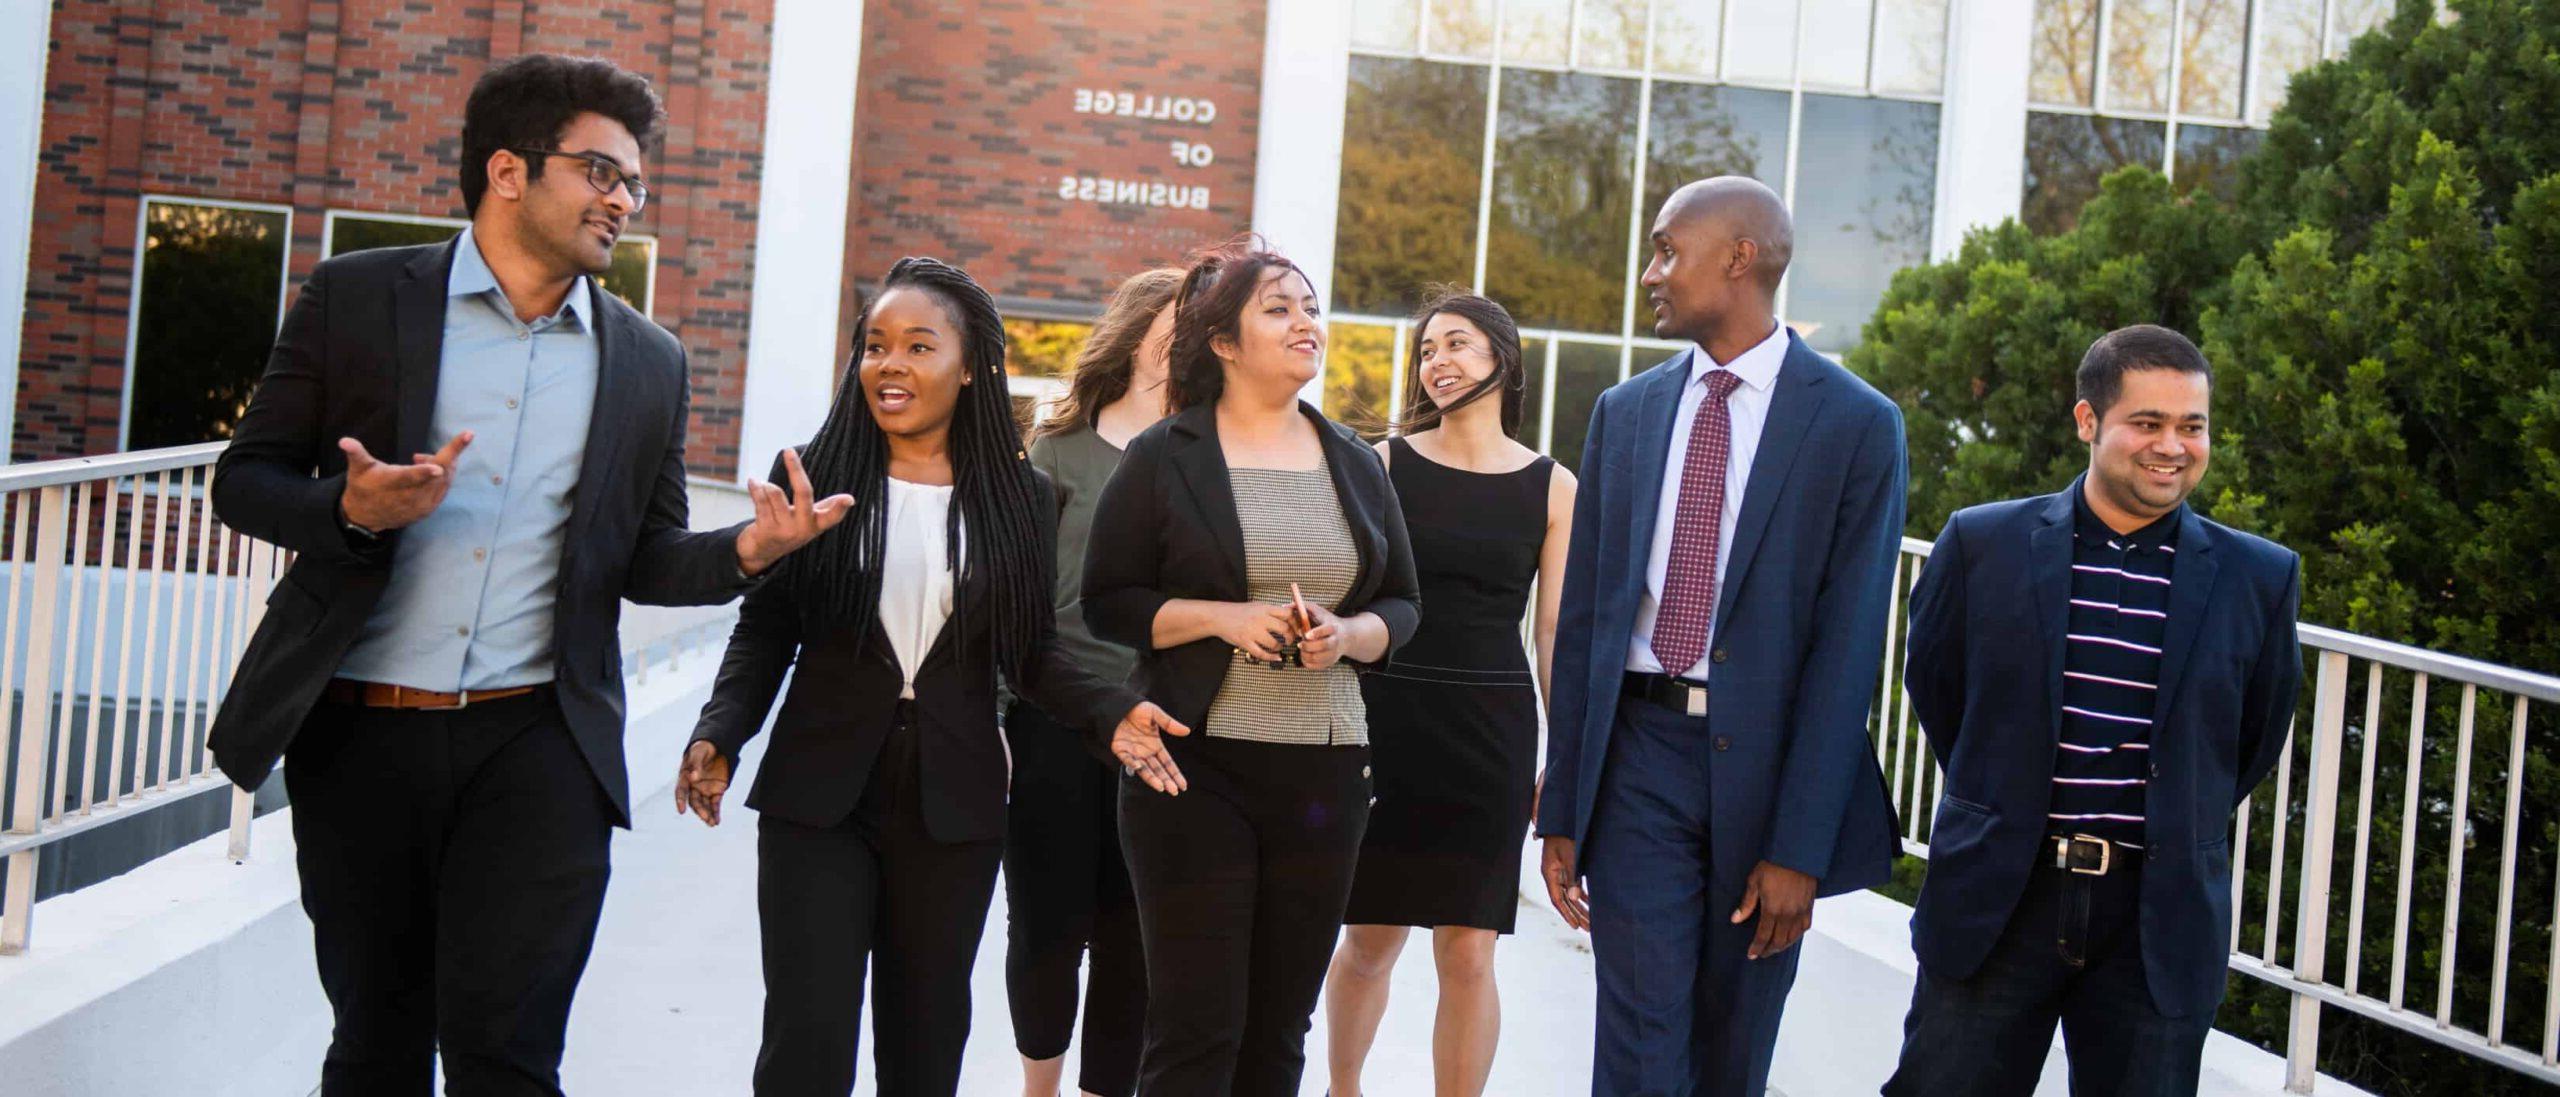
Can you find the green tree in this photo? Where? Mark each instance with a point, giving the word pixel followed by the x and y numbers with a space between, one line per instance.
pixel 2377 300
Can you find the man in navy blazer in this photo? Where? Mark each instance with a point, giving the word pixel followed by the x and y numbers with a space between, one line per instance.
pixel 2103 673
pixel 1708 768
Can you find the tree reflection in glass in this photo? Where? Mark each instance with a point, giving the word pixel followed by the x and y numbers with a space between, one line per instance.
pixel 2288 42
pixel 2209 158
pixel 1612 35
pixel 1359 375
pixel 210 280
pixel 2211 43
pixel 2138 55
pixel 1685 36
pixel 2068 153
pixel 1911 46
pixel 2063 58
pixel 1563 184
pixel 1536 31
pixel 1412 156
pixel 1460 28
pixel 1700 131
pixel 1877 165
pixel 1583 372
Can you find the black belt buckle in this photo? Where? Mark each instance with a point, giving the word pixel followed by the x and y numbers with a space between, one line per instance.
pixel 2076 852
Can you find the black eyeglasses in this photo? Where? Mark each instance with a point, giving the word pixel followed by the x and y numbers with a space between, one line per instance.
pixel 602 174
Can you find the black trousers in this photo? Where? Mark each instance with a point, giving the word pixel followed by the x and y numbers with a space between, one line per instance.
pixel 453 864
pixel 1241 883
pixel 1067 896
pixel 875 889
pixel 2072 953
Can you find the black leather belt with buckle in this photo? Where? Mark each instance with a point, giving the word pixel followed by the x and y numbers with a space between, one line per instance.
pixel 2089 856
pixel 1677 694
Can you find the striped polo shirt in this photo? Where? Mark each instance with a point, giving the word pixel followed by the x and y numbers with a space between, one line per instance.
pixel 2111 674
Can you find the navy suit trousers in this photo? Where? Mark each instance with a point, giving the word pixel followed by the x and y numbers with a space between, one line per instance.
pixel 1682 1010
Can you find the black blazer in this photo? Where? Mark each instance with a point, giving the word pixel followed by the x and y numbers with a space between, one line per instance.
pixel 359 355
pixel 1988 616
pixel 1166 528
pixel 838 714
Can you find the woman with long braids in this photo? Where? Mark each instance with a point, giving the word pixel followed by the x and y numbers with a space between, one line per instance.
pixel 1252 551
pixel 1066 886
pixel 1457 716
pixel 881 799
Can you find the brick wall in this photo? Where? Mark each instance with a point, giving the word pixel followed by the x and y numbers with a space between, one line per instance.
pixel 966 128
pixel 357 105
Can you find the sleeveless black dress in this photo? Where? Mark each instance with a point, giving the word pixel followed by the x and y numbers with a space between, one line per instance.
pixel 1453 719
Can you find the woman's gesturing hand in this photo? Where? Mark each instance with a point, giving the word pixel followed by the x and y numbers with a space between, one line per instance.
pixel 701 779
pixel 1258 630
pixel 1139 745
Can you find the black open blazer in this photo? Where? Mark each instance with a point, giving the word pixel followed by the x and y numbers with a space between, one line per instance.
pixel 1166 528
pixel 841 708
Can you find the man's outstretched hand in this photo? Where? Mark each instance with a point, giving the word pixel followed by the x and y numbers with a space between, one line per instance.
pixel 381 497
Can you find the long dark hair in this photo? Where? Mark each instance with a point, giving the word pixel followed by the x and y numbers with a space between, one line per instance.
pixel 1110 355
pixel 994 494
pixel 1502 339
pixel 1215 289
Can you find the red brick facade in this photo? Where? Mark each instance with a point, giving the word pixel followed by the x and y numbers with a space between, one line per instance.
pixel 972 147
pixel 357 105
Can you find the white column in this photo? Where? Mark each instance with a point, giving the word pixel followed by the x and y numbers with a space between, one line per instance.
pixel 1297 161
pixel 800 227
pixel 1982 131
pixel 21 134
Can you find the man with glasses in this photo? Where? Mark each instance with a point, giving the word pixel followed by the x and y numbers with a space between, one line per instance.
pixel 476 455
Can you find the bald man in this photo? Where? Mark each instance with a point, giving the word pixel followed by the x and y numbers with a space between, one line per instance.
pixel 1708 771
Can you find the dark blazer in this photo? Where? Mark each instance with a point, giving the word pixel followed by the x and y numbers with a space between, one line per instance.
pixel 1985 678
pixel 1799 624
pixel 1166 528
pixel 359 355
pixel 837 715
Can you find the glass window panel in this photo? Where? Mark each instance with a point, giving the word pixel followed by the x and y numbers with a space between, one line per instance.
pixel 1911 46
pixel 1042 348
pixel 1878 163
pixel 1611 34
pixel 2068 153
pixel 1700 131
pixel 1583 372
pixel 2288 42
pixel 2211 44
pixel 1563 188
pixel 1386 24
pixel 634 258
pixel 1533 363
pixel 1763 49
pixel 1835 42
pixel 1685 36
pixel 2063 57
pixel 1462 28
pixel 2209 157
pixel 1359 375
pixel 1412 156
pixel 1536 31
pixel 2138 55
pixel 210 281
pixel 2349 19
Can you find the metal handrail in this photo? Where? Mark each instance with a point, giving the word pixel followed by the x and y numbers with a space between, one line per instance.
pixel 2302 875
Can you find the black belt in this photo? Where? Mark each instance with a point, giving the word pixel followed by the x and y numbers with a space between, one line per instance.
pixel 1680 695
pixel 2089 856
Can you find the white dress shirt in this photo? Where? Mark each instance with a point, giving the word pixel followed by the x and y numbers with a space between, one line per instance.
pixel 1749 407
pixel 915 579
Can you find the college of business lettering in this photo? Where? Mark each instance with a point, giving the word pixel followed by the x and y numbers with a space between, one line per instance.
pixel 1145 192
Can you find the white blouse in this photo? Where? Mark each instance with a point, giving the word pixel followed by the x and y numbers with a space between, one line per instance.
pixel 915 580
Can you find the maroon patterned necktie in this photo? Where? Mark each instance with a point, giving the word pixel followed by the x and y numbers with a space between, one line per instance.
pixel 1689 585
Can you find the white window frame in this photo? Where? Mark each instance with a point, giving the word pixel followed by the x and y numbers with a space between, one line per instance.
pixel 133 299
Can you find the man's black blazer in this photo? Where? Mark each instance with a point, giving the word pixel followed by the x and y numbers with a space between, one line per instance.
pixel 844 700
pixel 359 356
pixel 1988 618
pixel 1166 528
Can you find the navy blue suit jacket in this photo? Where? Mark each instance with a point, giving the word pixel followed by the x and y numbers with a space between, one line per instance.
pixel 1985 678
pixel 1799 624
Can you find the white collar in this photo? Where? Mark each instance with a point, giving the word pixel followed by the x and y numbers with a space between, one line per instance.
pixel 1757 367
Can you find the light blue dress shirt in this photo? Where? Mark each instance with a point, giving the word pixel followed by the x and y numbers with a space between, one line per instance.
pixel 472 589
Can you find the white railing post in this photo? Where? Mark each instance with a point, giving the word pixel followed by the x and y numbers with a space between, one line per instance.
pixel 27 812
pixel 257 578
pixel 2319 837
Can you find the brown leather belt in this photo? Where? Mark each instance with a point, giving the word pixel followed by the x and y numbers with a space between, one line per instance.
pixel 347 691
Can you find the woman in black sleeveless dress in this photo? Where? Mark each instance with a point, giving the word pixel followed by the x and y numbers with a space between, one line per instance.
pixel 1455 712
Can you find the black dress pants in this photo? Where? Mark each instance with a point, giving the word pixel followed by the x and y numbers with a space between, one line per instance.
pixel 1241 883
pixel 1066 897
pixel 453 865
pixel 876 889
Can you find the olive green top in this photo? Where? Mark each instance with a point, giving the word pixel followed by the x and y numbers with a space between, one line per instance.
pixel 1079 462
